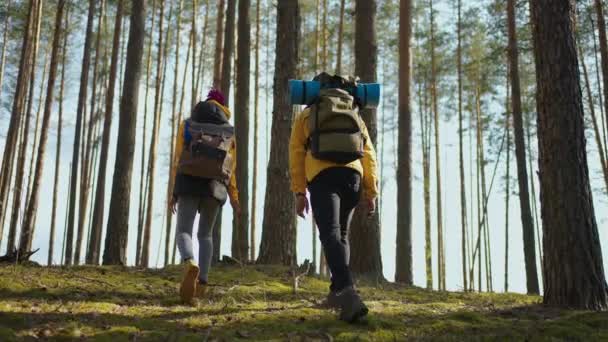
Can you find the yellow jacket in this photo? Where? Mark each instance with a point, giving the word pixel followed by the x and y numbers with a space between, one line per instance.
pixel 303 167
pixel 179 147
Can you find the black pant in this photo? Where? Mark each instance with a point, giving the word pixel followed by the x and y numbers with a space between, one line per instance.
pixel 334 194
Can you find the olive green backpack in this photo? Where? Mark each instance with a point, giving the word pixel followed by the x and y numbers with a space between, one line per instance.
pixel 336 132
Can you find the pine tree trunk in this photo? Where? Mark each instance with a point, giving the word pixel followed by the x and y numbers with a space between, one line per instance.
pixel 596 129
pixel 574 274
pixel 426 175
pixel 17 196
pixel 7 21
pixel 520 156
pixel 404 273
pixel 225 88
pixel 98 212
pixel 463 191
pixel 200 78
pixel 340 38
pixel 117 232
pixel 507 182
pixel 219 41
pixel 599 85
pixel 435 105
pixel 145 254
pixel 59 130
pixel 85 181
pixel 142 178
pixel 601 25
pixel 8 156
pixel 174 122
pixel 240 239
pixel 256 95
pixel 366 259
pixel 278 245
pixel 82 97
pixel 27 232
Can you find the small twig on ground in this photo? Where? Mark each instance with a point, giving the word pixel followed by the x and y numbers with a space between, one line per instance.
pixel 296 276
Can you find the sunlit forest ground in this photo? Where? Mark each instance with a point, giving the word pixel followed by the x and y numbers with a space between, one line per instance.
pixel 258 303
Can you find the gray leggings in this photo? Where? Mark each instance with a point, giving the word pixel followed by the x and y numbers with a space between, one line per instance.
pixel 187 206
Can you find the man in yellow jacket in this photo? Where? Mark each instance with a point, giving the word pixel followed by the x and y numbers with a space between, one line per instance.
pixel 335 191
pixel 193 194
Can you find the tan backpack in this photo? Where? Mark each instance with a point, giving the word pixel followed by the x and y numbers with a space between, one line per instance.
pixel 335 128
pixel 206 153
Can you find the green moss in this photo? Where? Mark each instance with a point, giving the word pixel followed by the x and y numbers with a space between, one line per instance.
pixel 258 303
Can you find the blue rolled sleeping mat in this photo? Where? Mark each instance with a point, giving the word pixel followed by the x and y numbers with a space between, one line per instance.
pixel 306 92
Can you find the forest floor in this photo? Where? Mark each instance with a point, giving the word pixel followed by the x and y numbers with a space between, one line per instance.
pixel 257 303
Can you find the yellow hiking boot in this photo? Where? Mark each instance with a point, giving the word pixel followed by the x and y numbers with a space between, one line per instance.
pixel 201 289
pixel 187 289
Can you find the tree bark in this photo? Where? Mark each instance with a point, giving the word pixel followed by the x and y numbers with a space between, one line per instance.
pixel 145 254
pixel 341 38
pixel 256 95
pixel 142 178
pixel 17 196
pixel 601 25
pixel 520 155
pixel 12 138
pixel 85 170
pixel 404 272
pixel 27 232
pixel 278 245
pixel 366 259
pixel 4 42
pixel 118 217
pixel 82 97
pixel 240 238
pixel 219 41
pixel 463 191
pixel 59 130
pixel 98 211
pixel 574 273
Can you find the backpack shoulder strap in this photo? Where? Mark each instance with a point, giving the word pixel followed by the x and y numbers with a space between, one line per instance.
pixel 187 133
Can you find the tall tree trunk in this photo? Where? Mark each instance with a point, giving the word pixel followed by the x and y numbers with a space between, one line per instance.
pixel 200 78
pixel 463 191
pixel 278 245
pixel 426 130
pixel 142 179
pixel 98 211
pixel 507 182
pixel 596 129
pixel 520 155
pixel 27 232
pixel 145 254
pixel 256 103
pixel 601 25
pixel 117 232
pixel 59 130
pixel 225 88
pixel 219 41
pixel 435 105
pixel 85 182
pixel 12 138
pixel 404 273
pixel 599 85
pixel 240 239
pixel 7 21
pixel 17 197
pixel 82 97
pixel 574 274
pixel 194 49
pixel 341 38
pixel 174 122
pixel 366 259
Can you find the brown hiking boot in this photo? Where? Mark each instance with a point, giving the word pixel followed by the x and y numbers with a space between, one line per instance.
pixel 201 289
pixel 187 289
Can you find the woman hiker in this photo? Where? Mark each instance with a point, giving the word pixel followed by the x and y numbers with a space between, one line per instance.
pixel 205 161
pixel 331 155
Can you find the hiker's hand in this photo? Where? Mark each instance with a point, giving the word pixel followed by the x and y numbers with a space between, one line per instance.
pixel 173 204
pixel 302 205
pixel 236 206
pixel 370 205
